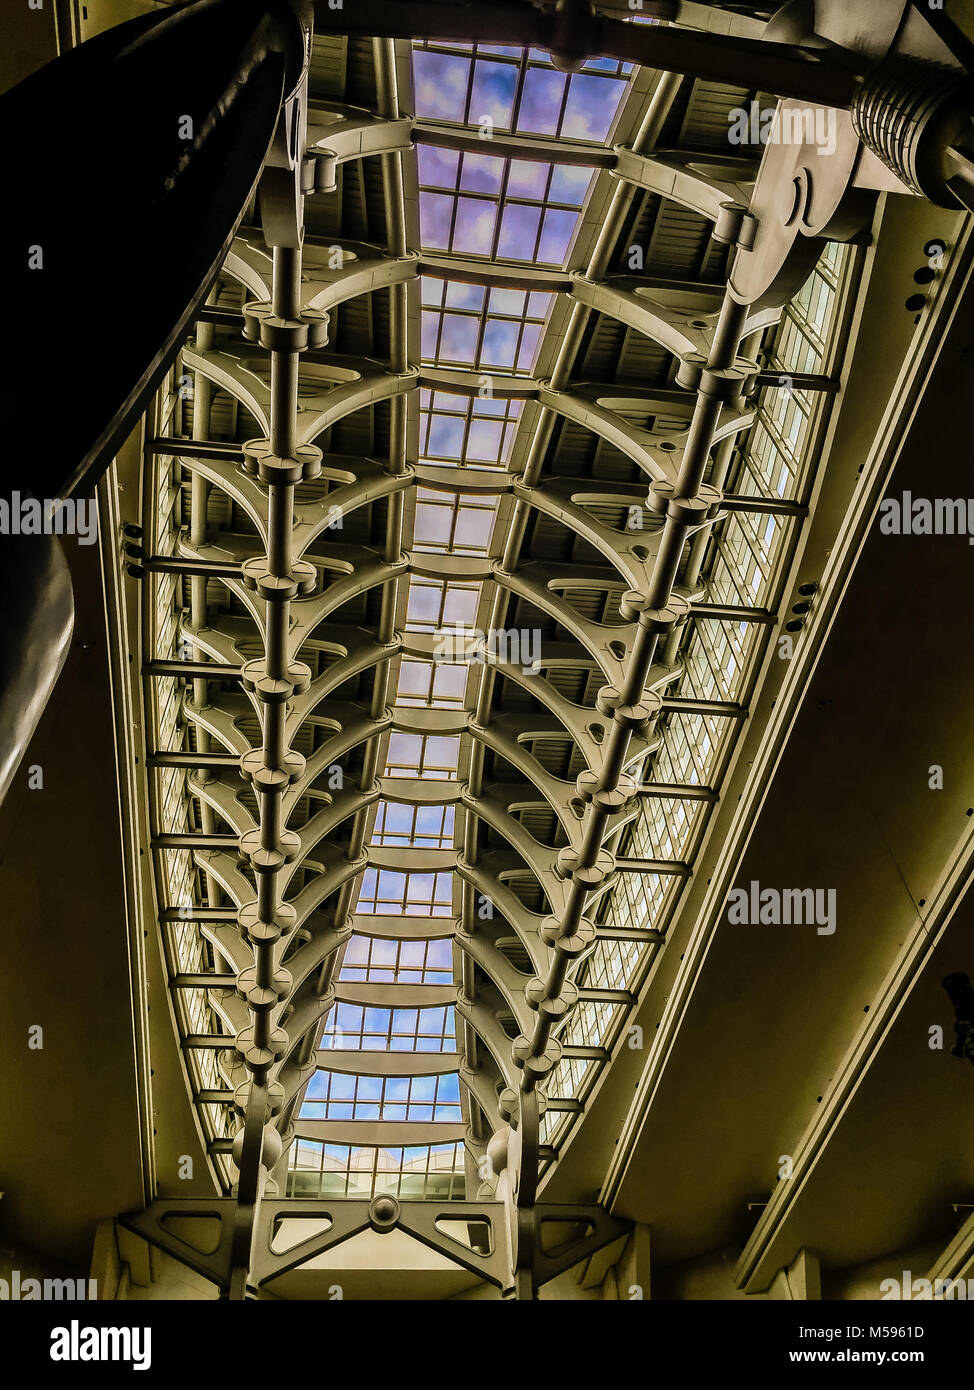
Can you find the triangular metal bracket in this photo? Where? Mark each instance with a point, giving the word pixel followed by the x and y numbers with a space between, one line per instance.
pixel 605 1229
pixel 215 1265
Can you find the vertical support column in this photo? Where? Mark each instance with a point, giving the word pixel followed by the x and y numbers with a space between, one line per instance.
pixel 388 102
pixel 280 462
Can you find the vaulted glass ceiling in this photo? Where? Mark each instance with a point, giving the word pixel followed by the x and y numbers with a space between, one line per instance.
pixel 476 207
pixel 444 777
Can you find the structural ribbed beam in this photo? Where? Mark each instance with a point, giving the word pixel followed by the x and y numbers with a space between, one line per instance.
pixel 256 620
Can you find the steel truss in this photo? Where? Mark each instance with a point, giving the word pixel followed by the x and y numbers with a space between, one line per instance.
pixel 280 588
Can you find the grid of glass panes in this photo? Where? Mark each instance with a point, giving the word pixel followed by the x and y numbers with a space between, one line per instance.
pixel 553 1127
pixel 705 675
pixel 379 960
pixel 426 827
pixel 695 740
pixel 333 1095
pixel 501 87
pixel 435 1171
pixel 172 781
pixel 360 1027
pixel 590 1023
pixel 431 684
pixel 722 654
pixel 636 899
pixel 480 329
pixel 813 308
pixel 436 603
pixel 774 452
pixel 663 828
pixel 433 757
pixel 744 559
pixel 400 893
pixel 453 524
pixel 189 956
pixel 529 215
pixel 612 964
pixel 186 948
pixel 466 431
pixel 568 1077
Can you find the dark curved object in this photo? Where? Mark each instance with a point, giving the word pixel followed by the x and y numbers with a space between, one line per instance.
pixel 132 218
pixel 129 164
pixel 35 634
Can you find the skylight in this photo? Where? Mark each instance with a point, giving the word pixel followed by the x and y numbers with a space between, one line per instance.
pixel 484 330
pixel 357 1027
pixel 436 603
pixel 453 524
pixel 424 827
pixel 511 89
pixel 339 1096
pixel 433 756
pixel 476 431
pixel 431 684
pixel 414 894
pixel 374 959
pixel 506 209
pixel 489 208
pixel 355 1170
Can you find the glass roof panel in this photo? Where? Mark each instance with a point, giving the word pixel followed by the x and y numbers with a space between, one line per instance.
pixel 440 82
pixel 436 603
pixel 490 208
pixel 465 326
pixel 380 960
pixel 333 1095
pixel 473 204
pixel 430 756
pixel 496 87
pixel 424 827
pixel 434 1171
pixel 466 430
pixel 431 684
pixel 449 523
pixel 356 1027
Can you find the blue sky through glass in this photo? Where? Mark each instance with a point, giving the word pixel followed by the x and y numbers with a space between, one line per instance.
pixel 500 209
pixel 516 91
pixel 493 209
